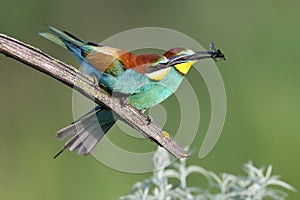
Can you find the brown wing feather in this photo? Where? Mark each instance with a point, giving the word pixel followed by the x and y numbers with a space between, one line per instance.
pixel 104 57
pixel 144 61
pixel 100 61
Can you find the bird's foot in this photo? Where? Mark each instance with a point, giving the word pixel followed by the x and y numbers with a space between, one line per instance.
pixel 149 120
pixel 95 80
pixel 124 101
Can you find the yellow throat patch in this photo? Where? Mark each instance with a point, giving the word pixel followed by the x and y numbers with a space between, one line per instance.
pixel 184 67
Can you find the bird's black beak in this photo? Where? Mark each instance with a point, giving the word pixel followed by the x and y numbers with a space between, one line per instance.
pixel 214 53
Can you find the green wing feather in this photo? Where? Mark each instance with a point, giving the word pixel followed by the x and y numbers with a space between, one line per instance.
pixel 61 36
pixel 53 38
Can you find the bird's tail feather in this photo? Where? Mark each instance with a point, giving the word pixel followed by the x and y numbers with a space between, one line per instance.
pixel 61 37
pixel 87 131
pixel 66 40
pixel 53 39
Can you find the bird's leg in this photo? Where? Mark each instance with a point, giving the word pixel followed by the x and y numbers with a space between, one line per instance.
pixel 95 80
pixel 149 118
pixel 122 98
pixel 124 101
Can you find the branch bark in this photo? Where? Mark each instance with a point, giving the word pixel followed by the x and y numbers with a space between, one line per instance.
pixel 72 77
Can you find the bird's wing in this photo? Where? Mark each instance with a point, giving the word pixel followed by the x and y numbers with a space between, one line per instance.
pixel 103 58
pixel 110 60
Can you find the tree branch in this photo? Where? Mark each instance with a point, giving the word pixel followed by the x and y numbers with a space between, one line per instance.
pixel 72 77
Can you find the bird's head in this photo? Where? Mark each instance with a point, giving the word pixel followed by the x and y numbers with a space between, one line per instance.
pixel 182 59
pixel 144 62
pixel 179 54
pixel 151 59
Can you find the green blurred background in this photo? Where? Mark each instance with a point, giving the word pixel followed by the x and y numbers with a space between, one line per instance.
pixel 261 76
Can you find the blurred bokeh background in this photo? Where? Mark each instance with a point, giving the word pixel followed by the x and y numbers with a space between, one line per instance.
pixel 261 76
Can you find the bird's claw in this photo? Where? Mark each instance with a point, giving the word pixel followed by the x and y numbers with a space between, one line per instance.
pixel 123 101
pixel 149 120
pixel 95 80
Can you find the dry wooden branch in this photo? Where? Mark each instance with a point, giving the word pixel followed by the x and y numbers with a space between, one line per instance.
pixel 72 77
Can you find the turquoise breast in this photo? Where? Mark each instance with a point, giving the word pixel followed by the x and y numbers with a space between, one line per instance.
pixel 156 92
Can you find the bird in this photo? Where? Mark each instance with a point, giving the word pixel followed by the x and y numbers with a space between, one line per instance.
pixel 145 80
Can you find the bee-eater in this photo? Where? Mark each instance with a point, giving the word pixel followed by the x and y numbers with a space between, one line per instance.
pixel 146 80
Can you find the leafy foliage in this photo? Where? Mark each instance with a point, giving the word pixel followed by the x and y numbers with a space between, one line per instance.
pixel 256 185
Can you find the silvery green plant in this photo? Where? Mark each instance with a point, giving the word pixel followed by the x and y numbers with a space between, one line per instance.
pixel 256 185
